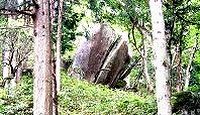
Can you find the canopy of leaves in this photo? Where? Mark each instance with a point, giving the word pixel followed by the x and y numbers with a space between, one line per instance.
pixel 122 12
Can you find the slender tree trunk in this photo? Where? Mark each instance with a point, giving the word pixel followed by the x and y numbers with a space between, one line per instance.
pixel 18 75
pixel 5 58
pixel 52 12
pixel 187 78
pixel 179 69
pixel 58 44
pixel 43 102
pixel 54 82
pixel 145 68
pixel 5 67
pixel 9 61
pixel 55 96
pixel 161 59
pixel 6 71
pixel 13 70
pixel 145 61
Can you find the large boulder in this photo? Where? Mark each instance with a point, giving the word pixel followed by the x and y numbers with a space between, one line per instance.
pixel 113 65
pixel 102 58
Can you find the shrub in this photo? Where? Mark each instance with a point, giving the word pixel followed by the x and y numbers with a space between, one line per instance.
pixel 186 102
pixel 81 97
pixel 21 102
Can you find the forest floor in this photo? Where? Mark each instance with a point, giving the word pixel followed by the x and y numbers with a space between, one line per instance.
pixel 80 98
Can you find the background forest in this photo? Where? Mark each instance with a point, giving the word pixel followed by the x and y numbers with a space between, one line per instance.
pixel 99 57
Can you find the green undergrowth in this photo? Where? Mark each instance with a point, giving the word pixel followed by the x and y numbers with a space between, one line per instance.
pixel 78 98
pixel 20 101
pixel 83 98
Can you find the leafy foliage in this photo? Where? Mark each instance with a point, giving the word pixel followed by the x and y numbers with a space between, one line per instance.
pixel 69 25
pixel 80 97
pixel 187 101
pixel 21 103
pixel 120 12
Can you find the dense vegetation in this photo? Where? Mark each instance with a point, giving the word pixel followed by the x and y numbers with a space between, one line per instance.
pixel 151 73
pixel 79 97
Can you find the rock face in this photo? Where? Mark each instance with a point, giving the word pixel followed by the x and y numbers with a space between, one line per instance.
pixel 102 58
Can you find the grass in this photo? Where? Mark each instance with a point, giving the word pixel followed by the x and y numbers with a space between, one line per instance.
pixel 79 98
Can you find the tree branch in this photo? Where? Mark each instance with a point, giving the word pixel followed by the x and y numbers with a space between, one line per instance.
pixel 15 11
pixel 187 21
pixel 35 4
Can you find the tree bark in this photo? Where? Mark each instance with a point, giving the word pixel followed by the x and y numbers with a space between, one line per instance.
pixel 42 69
pixel 58 44
pixel 6 71
pixel 54 81
pixel 187 78
pixel 8 58
pixel 179 68
pixel 144 55
pixel 52 12
pixel 5 56
pixel 145 67
pixel 161 58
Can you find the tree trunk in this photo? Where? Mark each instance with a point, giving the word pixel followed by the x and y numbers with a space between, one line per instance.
pixel 187 78
pixel 161 59
pixel 145 67
pixel 5 67
pixel 144 55
pixel 58 44
pixel 6 72
pixel 52 12
pixel 54 89
pixel 54 81
pixel 13 70
pixel 42 69
pixel 18 75
pixel 179 69
pixel 9 59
